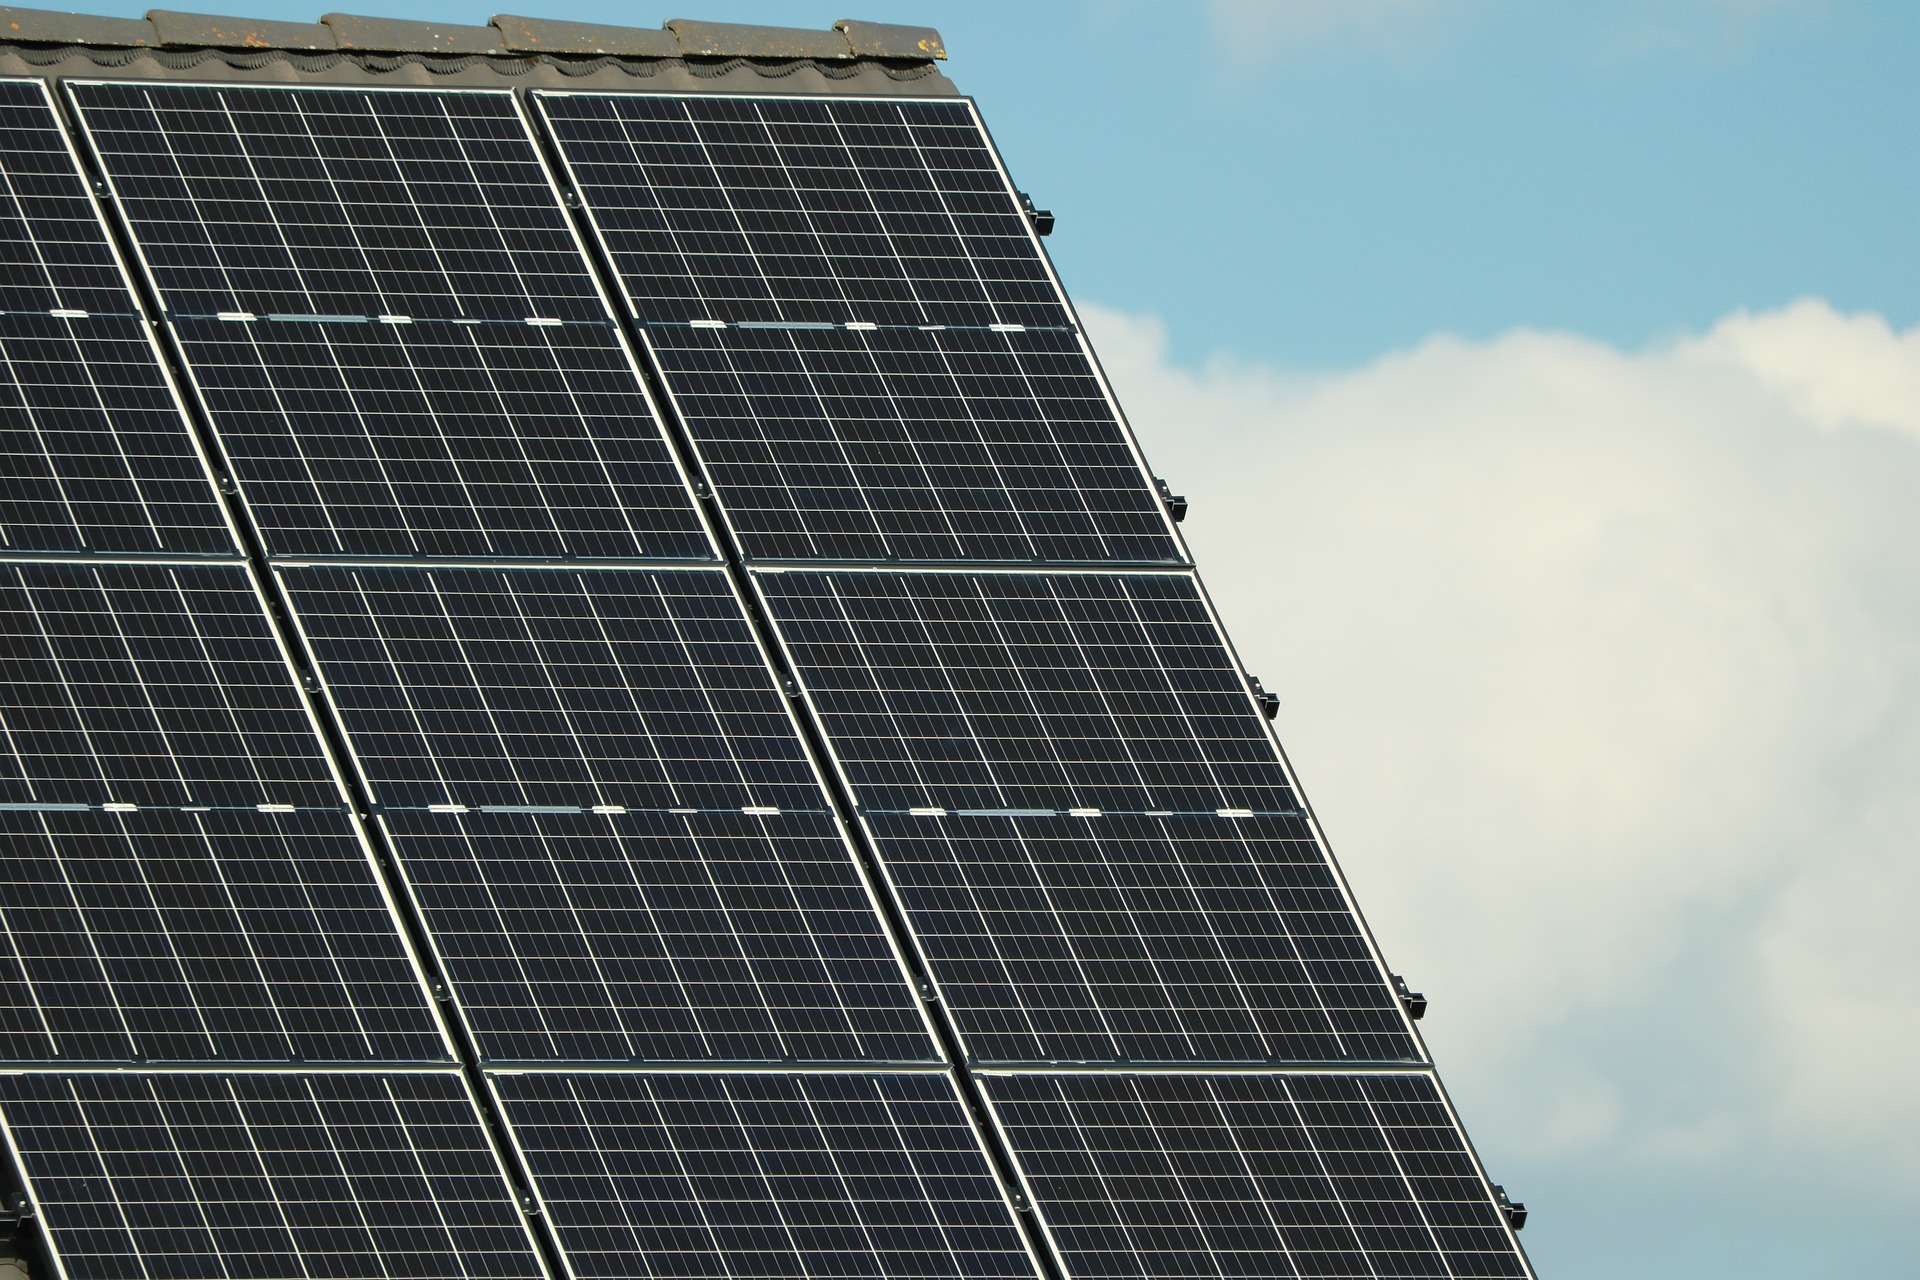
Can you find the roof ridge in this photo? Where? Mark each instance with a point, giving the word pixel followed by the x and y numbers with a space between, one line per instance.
pixel 504 36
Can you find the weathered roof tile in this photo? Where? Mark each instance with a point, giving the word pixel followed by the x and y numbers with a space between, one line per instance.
pixel 731 40
pixel 885 40
pixel 212 31
pixel 550 35
pixel 43 26
pixel 391 35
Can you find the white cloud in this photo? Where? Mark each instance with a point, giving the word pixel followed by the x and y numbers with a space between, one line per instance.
pixel 1603 671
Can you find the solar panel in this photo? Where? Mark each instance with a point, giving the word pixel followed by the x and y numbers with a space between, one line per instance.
pixel 763 1176
pixel 213 1176
pixel 229 936
pixel 1147 1176
pixel 604 808
pixel 126 687
pixel 94 453
pixel 393 328
pixel 858 329
pixel 1085 819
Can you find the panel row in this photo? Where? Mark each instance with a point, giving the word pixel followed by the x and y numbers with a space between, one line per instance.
pixel 395 332
pixel 389 321
pixel 600 801
pixel 392 1175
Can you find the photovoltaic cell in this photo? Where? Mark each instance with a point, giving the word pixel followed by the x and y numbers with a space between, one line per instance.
pixel 202 1177
pixel 606 814
pixel 237 937
pixel 1140 1177
pixel 1085 819
pixel 859 329
pixel 386 313
pixel 127 686
pixel 94 453
pixel 763 1176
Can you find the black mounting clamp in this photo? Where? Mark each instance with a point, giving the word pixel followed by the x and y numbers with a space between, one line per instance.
pixel 1042 219
pixel 15 1207
pixel 1513 1211
pixel 1269 702
pixel 1415 1002
pixel 1175 503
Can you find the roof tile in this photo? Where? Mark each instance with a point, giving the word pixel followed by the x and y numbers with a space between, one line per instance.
pixel 730 40
pixel 391 35
pixel 550 35
pixel 885 40
pixel 43 26
pixel 212 31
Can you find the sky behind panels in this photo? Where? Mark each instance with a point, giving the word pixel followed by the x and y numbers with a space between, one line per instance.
pixel 1547 382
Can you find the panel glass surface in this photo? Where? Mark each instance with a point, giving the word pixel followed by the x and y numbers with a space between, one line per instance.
pixel 1140 1177
pixel 1085 818
pixel 393 328
pixel 229 936
pixel 859 329
pixel 606 814
pixel 94 453
pixel 193 1177
pixel 763 1176
pixel 129 687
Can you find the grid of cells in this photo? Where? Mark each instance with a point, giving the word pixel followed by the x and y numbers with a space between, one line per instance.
pixel 1081 812
pixel 551 690
pixel 1142 1177
pixel 133 686
pixel 94 453
pixel 386 1176
pixel 390 322
pixel 200 936
pixel 992 693
pixel 859 330
pixel 764 1176
pixel 605 812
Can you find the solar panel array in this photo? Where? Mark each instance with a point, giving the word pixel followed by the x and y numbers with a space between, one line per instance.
pixel 780 828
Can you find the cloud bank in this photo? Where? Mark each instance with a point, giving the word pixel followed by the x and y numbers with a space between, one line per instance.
pixel 1603 672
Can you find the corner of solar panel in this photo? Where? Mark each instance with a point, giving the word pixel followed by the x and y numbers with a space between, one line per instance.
pixel 590 657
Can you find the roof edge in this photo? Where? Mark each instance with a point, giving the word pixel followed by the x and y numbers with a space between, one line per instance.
pixel 504 36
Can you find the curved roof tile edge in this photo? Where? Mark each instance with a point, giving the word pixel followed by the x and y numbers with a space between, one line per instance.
pixel 505 36
pixel 340 67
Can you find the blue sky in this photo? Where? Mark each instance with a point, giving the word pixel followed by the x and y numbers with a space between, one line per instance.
pixel 1546 376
